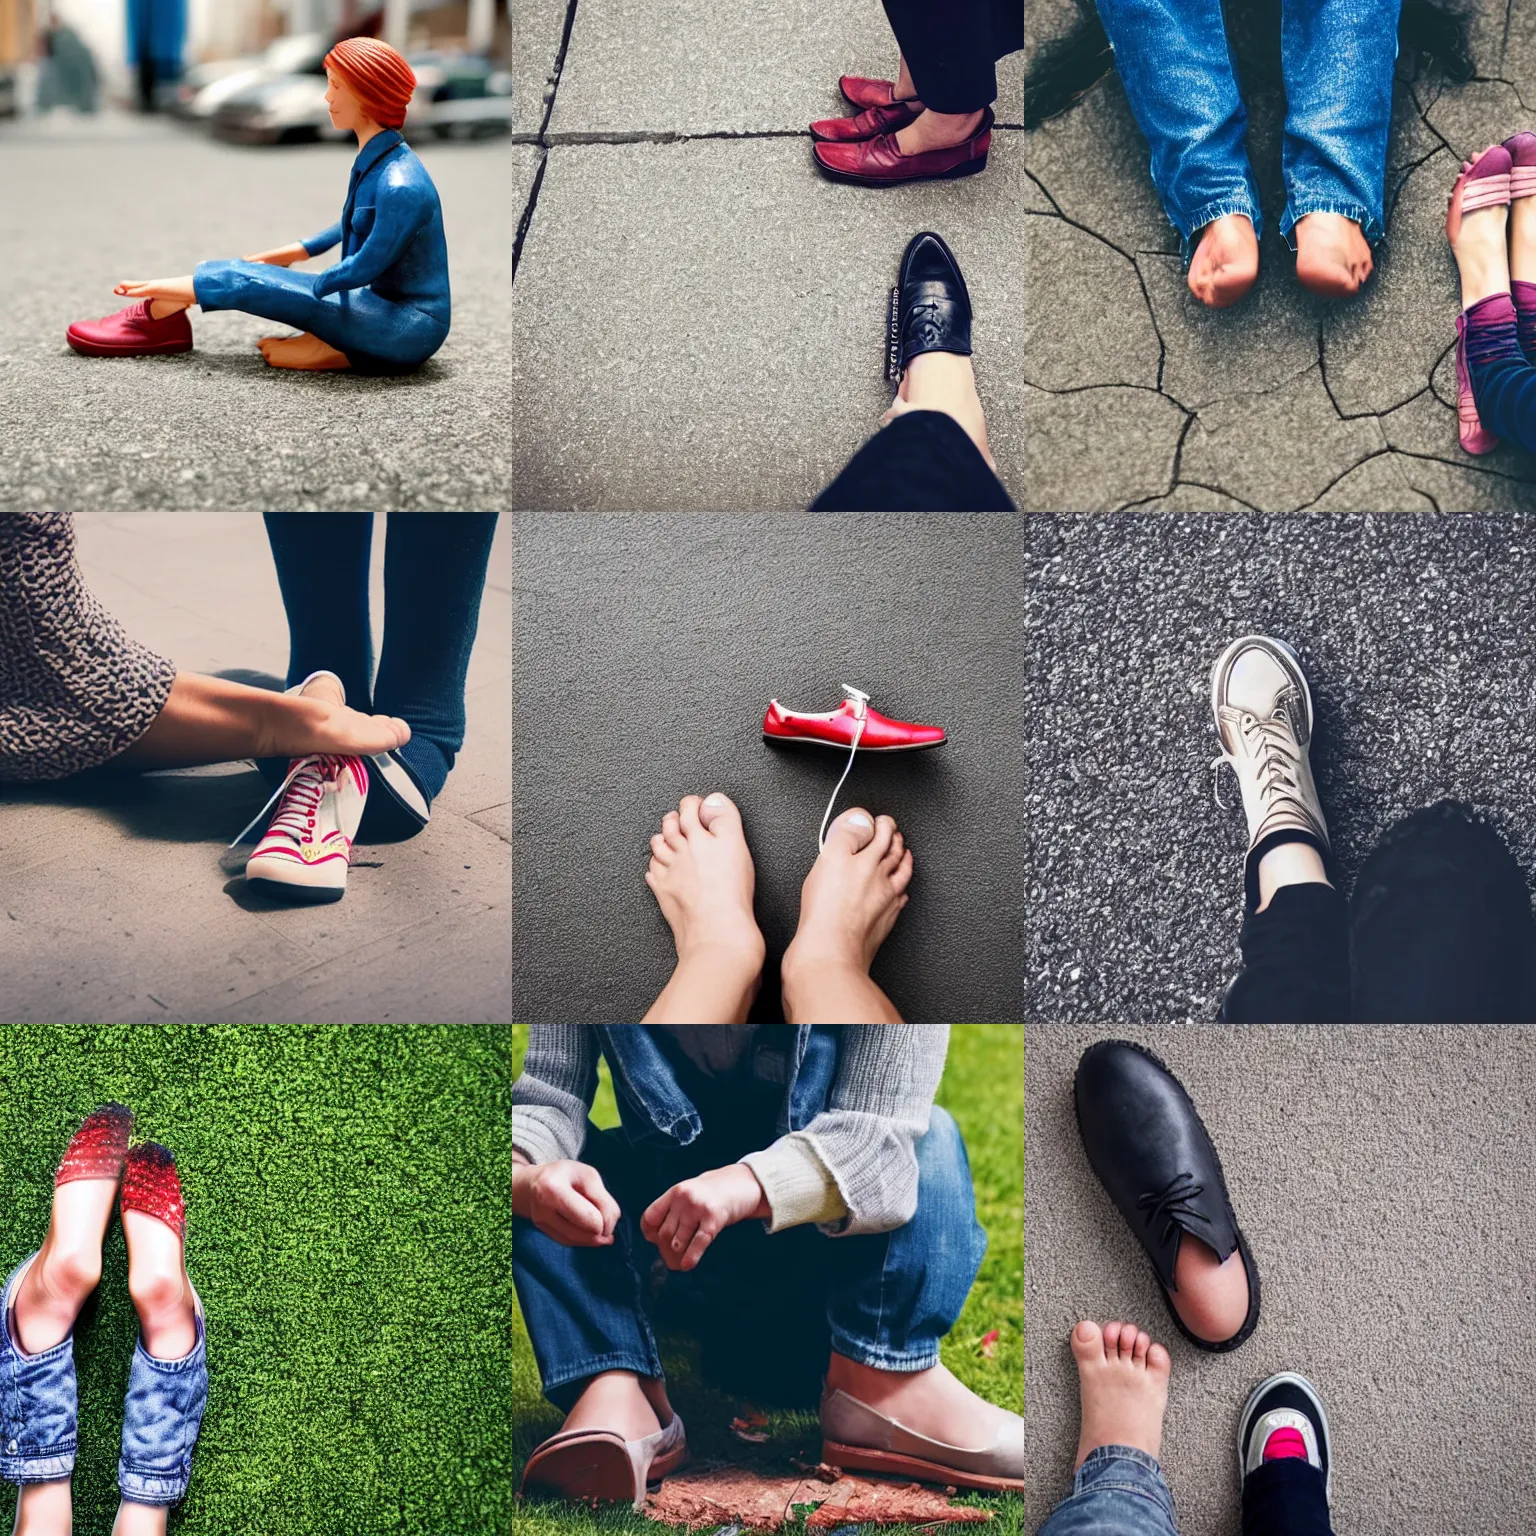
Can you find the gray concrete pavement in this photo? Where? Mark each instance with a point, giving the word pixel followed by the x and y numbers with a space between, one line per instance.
pixel 217 429
pixel 1385 1181
pixel 115 908
pixel 698 315
pixel 1136 394
pixel 648 649
pixel 1415 635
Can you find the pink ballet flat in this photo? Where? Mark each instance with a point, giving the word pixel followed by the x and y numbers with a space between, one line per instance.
pixel 1483 183
pixel 1522 175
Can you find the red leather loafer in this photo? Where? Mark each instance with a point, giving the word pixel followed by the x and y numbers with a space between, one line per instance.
pixel 840 727
pixel 878 162
pixel 859 91
pixel 864 125
pixel 131 333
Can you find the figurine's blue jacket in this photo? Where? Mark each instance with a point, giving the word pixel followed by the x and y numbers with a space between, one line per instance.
pixel 386 302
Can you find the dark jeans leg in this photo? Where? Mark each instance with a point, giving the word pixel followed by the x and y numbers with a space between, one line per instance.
pixel 922 462
pixel 434 573
pixel 1503 382
pixel 952 46
pixel 1285 1498
pixel 1441 926
pixel 1295 961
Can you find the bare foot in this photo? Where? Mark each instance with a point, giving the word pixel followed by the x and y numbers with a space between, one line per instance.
pixel 702 877
pixel 1333 257
pixel 1478 243
pixel 1123 1376
pixel 630 1405
pixel 937 130
pixel 180 291
pixel 1212 1296
pixel 304 724
pixel 932 1402
pixel 306 353
pixel 1226 262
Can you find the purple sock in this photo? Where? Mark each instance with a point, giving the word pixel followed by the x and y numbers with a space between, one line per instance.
pixel 1525 317
pixel 1491 330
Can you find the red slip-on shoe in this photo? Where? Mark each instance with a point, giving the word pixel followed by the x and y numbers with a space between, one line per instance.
pixel 879 162
pixel 131 333
pixel 1483 183
pixel 852 723
pixel 861 91
pixel 867 124
pixel 1522 172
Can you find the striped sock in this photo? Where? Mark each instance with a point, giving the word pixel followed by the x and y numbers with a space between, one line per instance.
pixel 150 1185
pixel 97 1150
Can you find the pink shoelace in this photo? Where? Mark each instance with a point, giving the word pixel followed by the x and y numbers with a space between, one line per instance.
pixel 295 815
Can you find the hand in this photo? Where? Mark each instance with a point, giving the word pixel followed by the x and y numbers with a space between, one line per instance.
pixel 691 1215
pixel 283 256
pixel 566 1201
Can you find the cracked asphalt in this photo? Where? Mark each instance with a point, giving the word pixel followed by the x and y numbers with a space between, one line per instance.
pixel 1415 634
pixel 1136 395
pixel 697 315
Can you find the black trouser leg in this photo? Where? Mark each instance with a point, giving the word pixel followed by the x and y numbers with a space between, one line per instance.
pixel 1441 926
pixel 1286 1498
pixel 1295 961
pixel 952 47
pixel 922 462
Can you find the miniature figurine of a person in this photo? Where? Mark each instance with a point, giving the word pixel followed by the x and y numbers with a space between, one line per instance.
pixel 383 308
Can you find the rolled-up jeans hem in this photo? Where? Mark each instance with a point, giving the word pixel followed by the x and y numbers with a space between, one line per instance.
pixel 641 1366
pixel 1208 215
pixel 140 1488
pixel 1298 208
pixel 883 1359
pixel 21 1470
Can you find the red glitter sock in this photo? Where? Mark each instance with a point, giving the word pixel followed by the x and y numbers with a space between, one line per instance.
pixel 150 1185
pixel 98 1148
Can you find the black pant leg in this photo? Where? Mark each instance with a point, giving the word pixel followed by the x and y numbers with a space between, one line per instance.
pixel 922 462
pixel 952 47
pixel 1286 1498
pixel 1295 961
pixel 1441 926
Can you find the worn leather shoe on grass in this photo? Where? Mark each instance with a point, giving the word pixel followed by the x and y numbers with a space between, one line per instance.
pixel 131 333
pixel 600 1466
pixel 857 1438
pixel 1151 1152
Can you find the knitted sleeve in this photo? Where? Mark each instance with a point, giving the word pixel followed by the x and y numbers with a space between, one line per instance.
pixel 552 1096
pixel 863 1141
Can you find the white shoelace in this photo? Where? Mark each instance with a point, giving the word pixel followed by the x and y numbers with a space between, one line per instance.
pixel 860 701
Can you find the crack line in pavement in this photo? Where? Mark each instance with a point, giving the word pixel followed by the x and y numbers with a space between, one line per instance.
pixel 527 218
pixel 542 139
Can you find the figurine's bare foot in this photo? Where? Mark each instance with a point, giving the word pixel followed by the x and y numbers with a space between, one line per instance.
pixel 1333 257
pixel 305 352
pixel 178 290
pixel 1226 262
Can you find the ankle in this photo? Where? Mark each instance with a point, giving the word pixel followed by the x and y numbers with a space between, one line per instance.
pixel 69 1270
pixel 816 957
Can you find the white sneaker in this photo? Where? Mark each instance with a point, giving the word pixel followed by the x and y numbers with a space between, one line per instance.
pixel 307 848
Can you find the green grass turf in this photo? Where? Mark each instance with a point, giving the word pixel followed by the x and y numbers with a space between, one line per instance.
pixel 348 1232
pixel 983 1088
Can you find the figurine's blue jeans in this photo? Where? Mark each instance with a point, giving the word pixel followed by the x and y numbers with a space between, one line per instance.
pixel 1337 57
pixel 885 1299
pixel 375 333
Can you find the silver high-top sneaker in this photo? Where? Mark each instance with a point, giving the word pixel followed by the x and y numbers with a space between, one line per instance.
pixel 1263 711
pixel 1284 1417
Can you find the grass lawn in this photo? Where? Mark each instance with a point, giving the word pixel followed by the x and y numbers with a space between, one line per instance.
pixel 347 1229
pixel 983 1088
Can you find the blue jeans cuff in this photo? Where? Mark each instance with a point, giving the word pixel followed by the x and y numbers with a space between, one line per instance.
pixel 59 1462
pixel 883 1359
pixel 151 1487
pixel 1126 1468
pixel 1241 203
pixel 641 1365
pixel 1298 208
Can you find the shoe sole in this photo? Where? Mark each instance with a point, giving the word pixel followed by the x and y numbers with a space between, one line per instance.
pixel 1288 1378
pixel 855 1458
pixel 596 1471
pixel 295 895
pixel 100 349
pixel 969 168
pixel 844 746
pixel 1279 645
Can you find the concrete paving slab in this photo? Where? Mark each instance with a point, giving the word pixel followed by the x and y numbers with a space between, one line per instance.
pixel 217 429
pixel 538 28
pixel 648 649
pixel 700 325
pixel 643 67
pixel 1090 167
pixel 1100 447
pixel 118 910
pixel 1422 683
pixel 1361 1163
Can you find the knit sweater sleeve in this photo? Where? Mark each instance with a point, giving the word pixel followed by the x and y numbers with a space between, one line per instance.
pixel 552 1096
pixel 862 1144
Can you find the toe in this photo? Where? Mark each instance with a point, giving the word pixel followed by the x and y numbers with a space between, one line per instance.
pixel 661 849
pixel 671 830
pixel 1143 1344
pixel 718 813
pixel 880 843
pixel 1128 1341
pixel 851 831
pixel 901 877
pixel 1158 1361
pixel 1112 1333
pixel 1088 1341
pixel 892 855
pixel 688 815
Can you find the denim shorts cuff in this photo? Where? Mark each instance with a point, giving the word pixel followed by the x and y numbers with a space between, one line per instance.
pixel 57 1463
pixel 1209 214
pixel 1298 208
pixel 641 1365
pixel 884 1359
pixel 188 1362
pixel 151 1487
pixel 1124 1467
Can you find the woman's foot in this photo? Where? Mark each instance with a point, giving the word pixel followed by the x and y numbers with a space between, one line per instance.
pixel 1212 1295
pixel 931 130
pixel 307 353
pixel 1333 257
pixel 1226 261
pixel 316 721
pixel 1123 1377
pixel 932 1403
pixel 175 293
pixel 702 877
pixel 629 1405
pixel 1477 235
pixel 849 903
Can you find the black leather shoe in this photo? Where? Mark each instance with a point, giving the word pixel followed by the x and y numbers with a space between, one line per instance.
pixel 930 310
pixel 1151 1152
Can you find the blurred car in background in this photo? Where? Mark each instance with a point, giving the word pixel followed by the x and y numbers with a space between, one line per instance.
pixel 458 95
pixel 206 87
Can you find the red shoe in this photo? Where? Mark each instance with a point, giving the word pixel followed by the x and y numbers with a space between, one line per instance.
pixel 841 727
pixel 878 162
pixel 131 333
pixel 858 91
pixel 864 125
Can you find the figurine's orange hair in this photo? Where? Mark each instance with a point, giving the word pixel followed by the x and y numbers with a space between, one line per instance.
pixel 379 77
